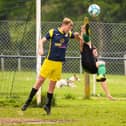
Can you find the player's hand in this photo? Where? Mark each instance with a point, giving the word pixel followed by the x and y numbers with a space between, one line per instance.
pixel 77 36
pixel 95 53
pixel 40 52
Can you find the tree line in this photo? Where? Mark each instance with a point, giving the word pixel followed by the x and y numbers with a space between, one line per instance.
pixel 56 10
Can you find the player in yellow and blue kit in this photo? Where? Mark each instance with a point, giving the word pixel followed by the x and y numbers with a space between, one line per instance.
pixel 52 66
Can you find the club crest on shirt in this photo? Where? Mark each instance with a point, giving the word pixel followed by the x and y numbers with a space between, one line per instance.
pixel 62 40
pixel 61 43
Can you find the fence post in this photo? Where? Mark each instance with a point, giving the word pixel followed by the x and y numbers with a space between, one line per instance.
pixel 2 63
pixel 87 85
pixel 94 84
pixel 19 62
pixel 124 64
pixel 80 66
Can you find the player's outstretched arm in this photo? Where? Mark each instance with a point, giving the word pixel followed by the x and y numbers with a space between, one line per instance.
pixel 40 46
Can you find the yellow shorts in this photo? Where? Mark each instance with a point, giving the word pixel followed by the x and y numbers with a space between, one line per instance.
pixel 51 69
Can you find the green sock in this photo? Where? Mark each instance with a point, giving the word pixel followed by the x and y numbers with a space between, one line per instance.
pixel 101 69
pixel 86 38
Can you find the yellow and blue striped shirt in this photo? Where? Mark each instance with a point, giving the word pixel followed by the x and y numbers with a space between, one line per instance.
pixel 58 44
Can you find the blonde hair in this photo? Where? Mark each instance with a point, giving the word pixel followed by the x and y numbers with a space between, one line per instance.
pixel 67 21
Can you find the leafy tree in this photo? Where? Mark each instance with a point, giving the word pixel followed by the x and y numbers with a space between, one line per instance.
pixel 111 10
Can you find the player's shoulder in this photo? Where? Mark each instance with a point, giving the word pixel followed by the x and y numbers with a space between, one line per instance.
pixel 52 31
pixel 71 34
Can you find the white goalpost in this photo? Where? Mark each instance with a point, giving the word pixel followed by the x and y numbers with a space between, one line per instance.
pixel 94 85
pixel 38 36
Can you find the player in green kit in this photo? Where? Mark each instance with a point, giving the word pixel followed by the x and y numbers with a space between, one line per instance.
pixel 89 58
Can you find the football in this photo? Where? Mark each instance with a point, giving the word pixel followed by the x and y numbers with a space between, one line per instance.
pixel 94 10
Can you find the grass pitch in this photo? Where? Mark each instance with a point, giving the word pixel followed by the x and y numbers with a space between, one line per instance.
pixel 71 108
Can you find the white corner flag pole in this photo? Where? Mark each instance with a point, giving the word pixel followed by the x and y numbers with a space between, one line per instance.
pixel 38 36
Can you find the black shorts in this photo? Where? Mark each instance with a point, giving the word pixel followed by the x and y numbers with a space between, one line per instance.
pixel 90 68
pixel 88 60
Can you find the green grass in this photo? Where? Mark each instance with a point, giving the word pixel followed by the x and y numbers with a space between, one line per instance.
pixel 71 107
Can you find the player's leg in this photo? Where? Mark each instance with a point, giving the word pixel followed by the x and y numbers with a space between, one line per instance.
pixel 86 32
pixel 93 69
pixel 101 71
pixel 106 90
pixel 47 106
pixel 44 72
pixel 34 90
pixel 54 77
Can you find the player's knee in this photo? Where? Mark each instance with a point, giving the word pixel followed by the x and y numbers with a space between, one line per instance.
pixel 101 62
